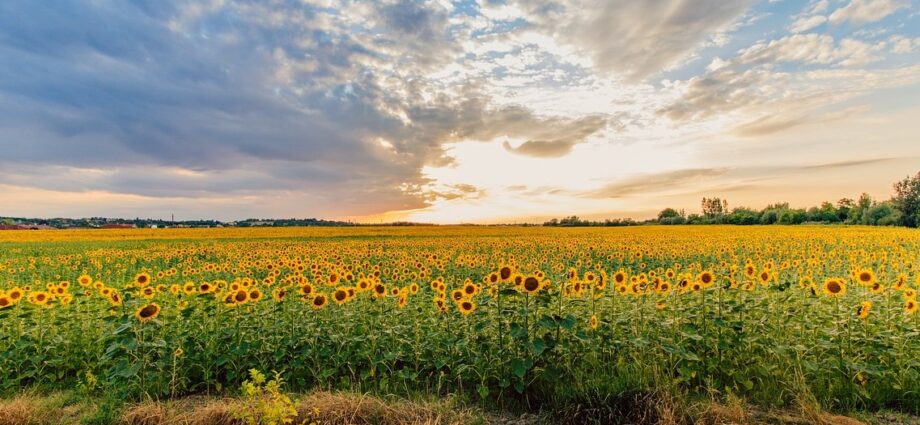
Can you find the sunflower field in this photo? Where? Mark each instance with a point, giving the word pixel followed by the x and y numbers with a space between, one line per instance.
pixel 501 314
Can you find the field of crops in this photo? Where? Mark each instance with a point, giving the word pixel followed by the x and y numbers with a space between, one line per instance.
pixel 508 315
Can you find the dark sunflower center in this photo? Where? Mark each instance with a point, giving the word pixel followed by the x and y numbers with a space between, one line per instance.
pixel 149 311
pixel 531 284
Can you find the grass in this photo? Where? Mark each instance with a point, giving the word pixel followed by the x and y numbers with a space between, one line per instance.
pixel 341 408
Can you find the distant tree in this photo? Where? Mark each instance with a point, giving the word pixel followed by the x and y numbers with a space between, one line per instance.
pixel 844 205
pixel 907 200
pixel 668 213
pixel 743 216
pixel 857 214
pixel 827 213
pixel 714 207
pixel 882 214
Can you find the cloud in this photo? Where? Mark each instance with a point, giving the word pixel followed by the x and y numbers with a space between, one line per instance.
pixel 257 101
pixel 808 48
pixel 819 73
pixel 633 39
pixel 806 23
pixel 774 123
pixel 541 149
pixel 865 11
pixel 902 45
pixel 848 164
pixel 652 183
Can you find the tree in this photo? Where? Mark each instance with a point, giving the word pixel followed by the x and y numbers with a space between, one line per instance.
pixel 743 215
pixel 668 213
pixel 857 214
pixel 882 214
pixel 844 206
pixel 907 200
pixel 714 207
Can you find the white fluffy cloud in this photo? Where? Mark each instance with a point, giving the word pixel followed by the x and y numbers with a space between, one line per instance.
pixel 865 11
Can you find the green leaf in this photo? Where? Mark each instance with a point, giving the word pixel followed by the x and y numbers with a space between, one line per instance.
pixel 537 346
pixel 520 367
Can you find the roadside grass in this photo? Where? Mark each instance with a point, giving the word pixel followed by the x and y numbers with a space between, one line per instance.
pixel 341 408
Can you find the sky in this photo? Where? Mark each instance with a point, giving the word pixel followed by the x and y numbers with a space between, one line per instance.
pixel 445 111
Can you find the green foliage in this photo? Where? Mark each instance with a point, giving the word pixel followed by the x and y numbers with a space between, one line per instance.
pixel 263 402
pixel 907 200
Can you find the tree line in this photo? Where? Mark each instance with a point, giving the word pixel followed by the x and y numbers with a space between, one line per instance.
pixel 903 209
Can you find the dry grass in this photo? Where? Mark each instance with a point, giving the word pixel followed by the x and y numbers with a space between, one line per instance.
pixel 322 407
pixel 327 408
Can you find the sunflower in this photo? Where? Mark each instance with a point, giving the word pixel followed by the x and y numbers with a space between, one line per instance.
pixel 148 292
pixel 805 282
pixel 466 307
pixel 505 272
pixel 532 285
pixel 189 288
pixel 865 277
pixel 255 295
pixel 749 270
pixel 910 294
pixel 457 295
pixel 707 278
pixel 340 296
pixel 40 298
pixel 619 277
pixel 834 287
pixel 863 310
pixel 114 298
pixel 240 296
pixel 205 287
pixel 142 279
pixel 147 312
pixel 84 280
pixel 877 288
pixel 380 290
pixel 5 301
pixel 660 305
pixel 664 287
pixel 319 301
pixel 910 307
pixel 593 322
pixel 279 293
pixel 15 295
pixel 469 289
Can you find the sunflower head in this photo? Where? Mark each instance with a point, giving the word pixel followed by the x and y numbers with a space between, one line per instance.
pixel 865 277
pixel 142 279
pixel 319 301
pixel 147 312
pixel 466 307
pixel 834 287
